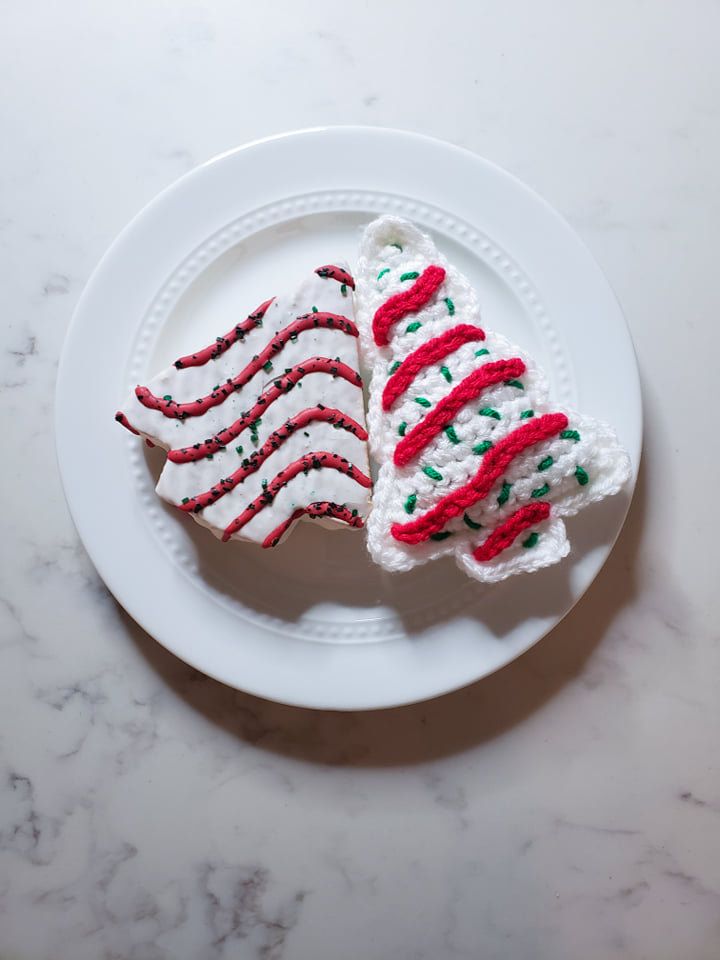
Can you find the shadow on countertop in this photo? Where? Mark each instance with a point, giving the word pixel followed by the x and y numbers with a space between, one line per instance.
pixel 435 728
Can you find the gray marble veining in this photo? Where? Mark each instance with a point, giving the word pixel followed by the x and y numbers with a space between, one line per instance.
pixel 568 806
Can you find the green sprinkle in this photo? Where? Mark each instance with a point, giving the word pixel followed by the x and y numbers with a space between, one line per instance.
pixel 504 493
pixel 209 456
pixel 432 473
pixel 394 367
pixel 446 373
pixel 482 447
pixel 482 353
pixel 471 523
pixel 410 503
pixel 441 536
pixel 514 383
pixel 314 309
pixel 489 412
pixel 167 397
pixel 423 402
pixel 402 428
pixel 412 327
pixel 526 414
pixel 264 484
pixel 545 464
pixel 451 435
pixel 216 387
pixel 353 513
pixel 569 435
pixel 581 476
pixel 267 367
pixel 411 275
pixel 343 289
pixel 540 492
pixel 531 540
pixel 186 499
pixel 305 433
pixel 450 305
pixel 396 245
pixel 239 450
pixel 383 272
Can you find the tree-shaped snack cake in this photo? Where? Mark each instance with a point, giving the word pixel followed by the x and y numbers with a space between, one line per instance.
pixel 475 458
pixel 266 424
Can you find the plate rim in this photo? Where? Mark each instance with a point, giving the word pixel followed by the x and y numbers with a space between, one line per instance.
pixel 95 281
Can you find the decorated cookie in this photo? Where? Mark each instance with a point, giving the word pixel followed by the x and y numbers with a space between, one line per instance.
pixel 265 425
pixel 475 458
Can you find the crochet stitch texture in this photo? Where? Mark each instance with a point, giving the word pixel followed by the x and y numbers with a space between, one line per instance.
pixel 475 459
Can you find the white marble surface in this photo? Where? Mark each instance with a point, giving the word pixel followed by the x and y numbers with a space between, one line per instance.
pixel 568 806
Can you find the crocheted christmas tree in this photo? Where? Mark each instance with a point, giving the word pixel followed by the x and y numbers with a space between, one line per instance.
pixel 475 459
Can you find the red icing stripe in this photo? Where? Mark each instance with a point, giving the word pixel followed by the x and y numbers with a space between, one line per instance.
pixel 431 352
pixel 196 408
pixel 441 415
pixel 409 301
pixel 222 344
pixel 319 460
pixel 321 508
pixel 506 533
pixel 336 273
pixel 273 443
pixel 280 385
pixel 494 464
pixel 122 419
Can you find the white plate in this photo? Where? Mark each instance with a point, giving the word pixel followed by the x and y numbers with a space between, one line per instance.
pixel 313 622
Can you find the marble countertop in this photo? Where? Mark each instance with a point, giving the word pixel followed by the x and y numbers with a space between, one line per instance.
pixel 568 806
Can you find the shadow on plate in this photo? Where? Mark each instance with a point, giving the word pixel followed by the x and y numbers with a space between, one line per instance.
pixel 341 575
pixel 425 731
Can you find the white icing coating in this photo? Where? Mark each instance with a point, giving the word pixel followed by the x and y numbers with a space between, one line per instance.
pixel 180 480
pixel 381 266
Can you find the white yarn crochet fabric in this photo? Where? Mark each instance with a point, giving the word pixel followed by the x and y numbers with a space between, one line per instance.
pixel 581 464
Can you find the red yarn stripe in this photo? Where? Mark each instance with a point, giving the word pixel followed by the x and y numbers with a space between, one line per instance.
pixel 409 301
pixel 494 464
pixel 280 386
pixel 440 416
pixel 431 352
pixel 506 533
pixel 196 408
pixel 273 443
pixel 321 508
pixel 319 460
pixel 336 273
pixel 222 344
